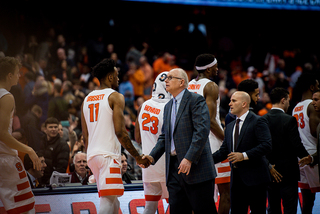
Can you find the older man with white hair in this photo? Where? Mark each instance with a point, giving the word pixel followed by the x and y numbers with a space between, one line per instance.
pixel 190 169
pixel 80 174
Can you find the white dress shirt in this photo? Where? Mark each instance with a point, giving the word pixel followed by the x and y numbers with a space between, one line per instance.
pixel 242 119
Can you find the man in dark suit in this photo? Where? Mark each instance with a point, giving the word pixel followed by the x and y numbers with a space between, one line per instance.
pixel 283 161
pixel 34 174
pixel 190 170
pixel 247 141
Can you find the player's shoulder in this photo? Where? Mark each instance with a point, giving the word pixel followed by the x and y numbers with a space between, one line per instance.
pixel 7 99
pixel 191 95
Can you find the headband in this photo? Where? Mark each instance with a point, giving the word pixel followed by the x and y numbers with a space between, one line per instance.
pixel 207 66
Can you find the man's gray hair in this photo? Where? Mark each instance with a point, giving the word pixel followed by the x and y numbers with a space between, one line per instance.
pixel 183 74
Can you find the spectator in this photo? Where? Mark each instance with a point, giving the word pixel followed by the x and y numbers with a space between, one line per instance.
pixel 137 79
pixel 43 62
pixel 43 50
pixel 133 54
pixel 126 89
pixel 58 107
pixel 148 74
pixel 34 175
pixel 40 97
pixel 30 123
pixel 161 64
pixel 56 152
pixel 32 118
pixel 85 77
pixel 32 46
pixel 29 79
pixel 80 174
pixel 253 74
pixel 129 124
pixel 126 177
pixel 118 62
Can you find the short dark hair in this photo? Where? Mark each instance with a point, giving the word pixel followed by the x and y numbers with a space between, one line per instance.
pixel 122 153
pixel 277 94
pixel 8 65
pixel 51 120
pixel 306 80
pixel 204 59
pixel 27 162
pixel 248 85
pixel 103 68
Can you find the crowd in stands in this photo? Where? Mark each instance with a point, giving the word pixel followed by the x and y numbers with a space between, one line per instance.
pixel 56 77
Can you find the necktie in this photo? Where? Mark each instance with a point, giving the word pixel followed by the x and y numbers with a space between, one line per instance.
pixel 173 120
pixel 236 135
pixel 37 183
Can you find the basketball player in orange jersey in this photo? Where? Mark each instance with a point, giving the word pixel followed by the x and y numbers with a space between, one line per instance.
pixel 207 67
pixel 308 121
pixel 15 190
pixel 148 128
pixel 103 130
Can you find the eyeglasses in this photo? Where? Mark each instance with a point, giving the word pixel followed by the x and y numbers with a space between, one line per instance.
pixel 169 78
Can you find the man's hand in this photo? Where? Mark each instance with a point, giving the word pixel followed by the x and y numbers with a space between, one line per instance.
pixel 275 174
pixel 184 166
pixel 305 161
pixel 235 157
pixel 35 160
pixel 144 161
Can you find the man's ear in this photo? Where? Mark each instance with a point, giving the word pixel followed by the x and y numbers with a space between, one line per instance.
pixel 282 100
pixel 9 75
pixel 110 77
pixel 244 104
pixel 182 82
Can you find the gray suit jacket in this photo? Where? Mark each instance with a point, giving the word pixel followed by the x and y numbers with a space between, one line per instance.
pixel 190 135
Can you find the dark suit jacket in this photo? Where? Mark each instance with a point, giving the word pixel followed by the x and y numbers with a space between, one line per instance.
pixel 190 135
pixel 30 181
pixel 286 144
pixel 255 140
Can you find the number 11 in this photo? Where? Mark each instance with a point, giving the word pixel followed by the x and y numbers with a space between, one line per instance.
pixel 91 107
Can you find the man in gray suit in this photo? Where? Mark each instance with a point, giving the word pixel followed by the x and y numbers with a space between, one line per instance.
pixel 190 170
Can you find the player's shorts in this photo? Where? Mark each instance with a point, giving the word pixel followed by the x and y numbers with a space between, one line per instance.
pixel 223 172
pixel 15 190
pixel 154 191
pixel 309 178
pixel 107 172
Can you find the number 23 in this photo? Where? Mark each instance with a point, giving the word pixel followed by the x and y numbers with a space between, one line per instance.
pixel 147 119
pixel 300 120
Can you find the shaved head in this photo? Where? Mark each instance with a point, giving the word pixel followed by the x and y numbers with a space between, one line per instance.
pixel 244 96
pixel 240 102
